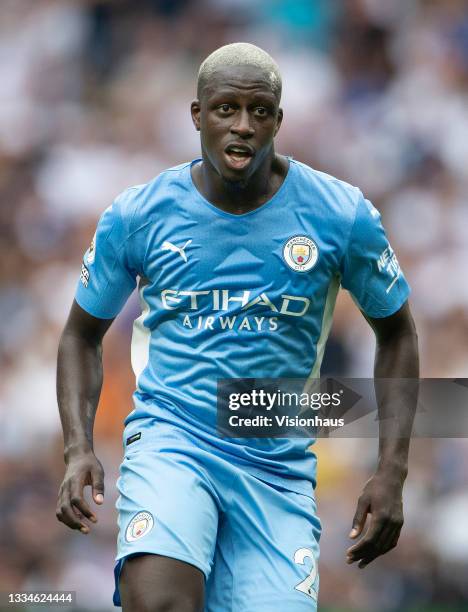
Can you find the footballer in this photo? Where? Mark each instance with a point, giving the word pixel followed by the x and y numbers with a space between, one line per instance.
pixel 237 258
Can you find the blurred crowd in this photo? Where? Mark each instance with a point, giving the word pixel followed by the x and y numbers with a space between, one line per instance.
pixel 94 97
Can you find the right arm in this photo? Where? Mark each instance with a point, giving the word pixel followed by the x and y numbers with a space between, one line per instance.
pixel 107 279
pixel 79 382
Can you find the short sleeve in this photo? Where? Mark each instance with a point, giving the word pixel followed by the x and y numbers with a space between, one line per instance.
pixel 370 269
pixel 106 280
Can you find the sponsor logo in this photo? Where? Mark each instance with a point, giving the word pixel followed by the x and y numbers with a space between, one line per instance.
pixel 300 253
pixel 140 525
pixel 84 276
pixel 387 264
pixel 168 246
pixel 224 300
pixel 91 251
pixel 229 308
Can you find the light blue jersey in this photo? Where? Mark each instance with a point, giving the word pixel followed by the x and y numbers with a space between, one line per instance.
pixel 235 296
pixel 229 296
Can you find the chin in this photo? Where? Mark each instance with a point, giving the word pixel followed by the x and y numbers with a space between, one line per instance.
pixel 235 181
pixel 235 177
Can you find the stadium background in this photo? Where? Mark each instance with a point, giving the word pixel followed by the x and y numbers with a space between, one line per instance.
pixel 94 96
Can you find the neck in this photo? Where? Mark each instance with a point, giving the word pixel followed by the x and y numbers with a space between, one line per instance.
pixel 241 196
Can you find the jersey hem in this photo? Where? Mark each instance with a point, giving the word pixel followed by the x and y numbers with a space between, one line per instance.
pixel 93 312
pixel 304 487
pixel 388 312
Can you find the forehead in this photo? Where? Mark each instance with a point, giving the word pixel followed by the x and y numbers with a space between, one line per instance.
pixel 242 79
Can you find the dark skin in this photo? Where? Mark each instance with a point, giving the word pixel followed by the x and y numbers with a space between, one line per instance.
pixel 396 357
pixel 237 108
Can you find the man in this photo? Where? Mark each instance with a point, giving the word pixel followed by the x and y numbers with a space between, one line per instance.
pixel 238 256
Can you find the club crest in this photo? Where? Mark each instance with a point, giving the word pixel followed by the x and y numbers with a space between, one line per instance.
pixel 300 253
pixel 91 251
pixel 139 526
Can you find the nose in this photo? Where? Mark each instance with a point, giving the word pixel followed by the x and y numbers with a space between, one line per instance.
pixel 241 125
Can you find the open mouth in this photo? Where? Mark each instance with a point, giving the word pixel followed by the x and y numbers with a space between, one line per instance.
pixel 238 157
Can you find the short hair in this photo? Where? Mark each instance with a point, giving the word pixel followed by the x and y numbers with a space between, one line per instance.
pixel 240 54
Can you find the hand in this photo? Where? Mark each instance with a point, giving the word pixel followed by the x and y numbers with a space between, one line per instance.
pixel 382 499
pixel 82 470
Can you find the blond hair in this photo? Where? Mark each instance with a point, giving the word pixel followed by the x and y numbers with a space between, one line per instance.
pixel 240 54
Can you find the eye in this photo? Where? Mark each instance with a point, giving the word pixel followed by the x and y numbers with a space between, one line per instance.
pixel 224 108
pixel 261 111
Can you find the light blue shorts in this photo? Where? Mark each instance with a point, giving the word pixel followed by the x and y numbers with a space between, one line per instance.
pixel 255 542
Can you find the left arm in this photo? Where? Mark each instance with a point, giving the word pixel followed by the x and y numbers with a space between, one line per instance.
pixel 396 358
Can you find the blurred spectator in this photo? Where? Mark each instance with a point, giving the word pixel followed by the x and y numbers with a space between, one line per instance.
pixel 94 96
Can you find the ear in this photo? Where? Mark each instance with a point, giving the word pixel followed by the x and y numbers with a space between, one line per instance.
pixel 279 120
pixel 195 111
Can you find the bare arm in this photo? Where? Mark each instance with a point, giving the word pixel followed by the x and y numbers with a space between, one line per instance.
pixel 79 382
pixel 397 359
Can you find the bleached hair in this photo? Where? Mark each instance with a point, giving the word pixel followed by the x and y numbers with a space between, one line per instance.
pixel 240 54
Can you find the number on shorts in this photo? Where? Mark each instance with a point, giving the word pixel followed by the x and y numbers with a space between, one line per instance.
pixel 307 586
